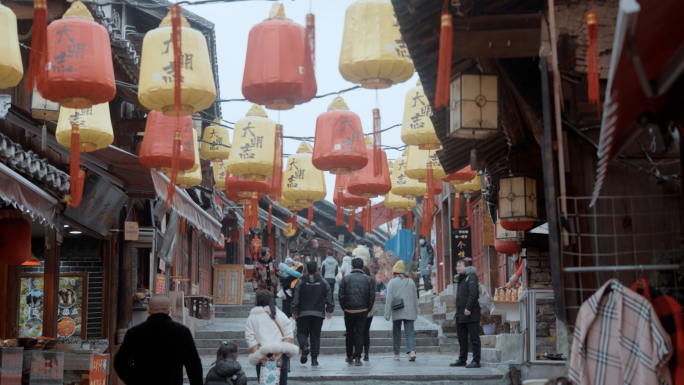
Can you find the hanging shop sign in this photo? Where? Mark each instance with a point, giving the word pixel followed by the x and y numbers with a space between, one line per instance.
pixel 461 245
pixel 160 286
pixel 100 207
pixel 11 361
pixel 169 237
pixel 131 231
pixel 71 305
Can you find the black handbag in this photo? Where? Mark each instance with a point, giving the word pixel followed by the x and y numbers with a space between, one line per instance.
pixel 398 303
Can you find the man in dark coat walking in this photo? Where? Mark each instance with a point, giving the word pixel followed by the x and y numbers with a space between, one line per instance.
pixel 357 296
pixel 312 301
pixel 156 351
pixel 467 314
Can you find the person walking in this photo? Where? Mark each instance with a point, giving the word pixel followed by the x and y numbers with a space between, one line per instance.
pixel 467 314
pixel 312 301
pixel 329 269
pixel 427 260
pixel 155 351
pixel 357 296
pixel 287 275
pixel 401 305
pixel 346 264
pixel 270 348
pixel 265 275
pixel 369 319
pixel 226 367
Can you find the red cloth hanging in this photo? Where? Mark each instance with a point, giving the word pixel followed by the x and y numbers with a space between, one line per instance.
pixel 38 45
pixel 457 211
pixel 247 213
pixel 446 38
pixel 593 89
pixel 277 177
pixel 177 105
pixel 255 209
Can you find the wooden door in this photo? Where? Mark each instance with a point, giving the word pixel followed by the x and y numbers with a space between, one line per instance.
pixel 228 284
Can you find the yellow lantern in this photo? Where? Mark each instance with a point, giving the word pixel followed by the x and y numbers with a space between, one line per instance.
pixel 417 128
pixel 220 170
pixel 474 110
pixel 94 126
pixel 417 164
pixel 187 179
pixel 215 143
pixel 373 52
pixel 197 156
pixel 253 146
pixel 302 182
pixel 394 201
pixel 11 68
pixel 470 187
pixel 156 86
pixel 42 108
pixel 402 185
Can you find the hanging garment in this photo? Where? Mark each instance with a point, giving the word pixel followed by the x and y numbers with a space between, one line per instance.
pixel 619 339
pixel 670 313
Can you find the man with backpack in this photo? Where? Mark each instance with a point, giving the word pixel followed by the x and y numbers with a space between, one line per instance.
pixel 329 269
pixel 467 314
pixel 427 260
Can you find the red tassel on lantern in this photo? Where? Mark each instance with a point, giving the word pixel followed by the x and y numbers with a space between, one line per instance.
pixel 377 142
pixel 255 209
pixel 76 175
pixel 339 220
pixel 457 211
pixel 446 37
pixel 310 45
pixel 469 211
pixel 246 210
pixel 38 44
pixel 310 215
pixel 270 218
pixel 352 220
pixel 591 18
pixel 277 177
pixel 177 55
pixel 409 219
pixel 429 202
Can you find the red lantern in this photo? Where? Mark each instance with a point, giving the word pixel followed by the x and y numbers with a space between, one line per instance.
pixel 374 179
pixel 506 247
pixel 464 175
pixel 15 241
pixel 339 146
pixel 244 188
pixel 157 146
pixel 79 70
pixel 516 226
pixel 278 72
pixel 345 199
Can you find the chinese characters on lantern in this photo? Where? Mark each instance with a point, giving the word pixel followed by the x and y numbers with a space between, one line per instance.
pixel 69 51
pixel 169 69
pixel 425 110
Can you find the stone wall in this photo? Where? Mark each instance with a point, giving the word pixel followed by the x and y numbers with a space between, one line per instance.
pixel 539 277
pixel 539 269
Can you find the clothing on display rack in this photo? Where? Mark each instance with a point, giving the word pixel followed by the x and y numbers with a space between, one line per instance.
pixel 618 338
pixel 669 312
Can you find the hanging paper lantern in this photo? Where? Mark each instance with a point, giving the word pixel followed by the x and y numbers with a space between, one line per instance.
pixel 94 126
pixel 469 188
pixel 156 85
pixel 474 111
pixel 373 52
pixel 278 72
pixel 11 68
pixel 159 141
pixel 506 242
pixel 417 164
pixel 417 129
pixel 15 241
pixel 302 182
pixel 371 181
pixel 253 146
pixel 393 201
pixel 243 188
pixel 42 108
pixel 348 200
pixel 340 147
pixel 220 171
pixel 518 203
pixel 464 175
pixel 402 185
pixel 79 71
pixel 215 143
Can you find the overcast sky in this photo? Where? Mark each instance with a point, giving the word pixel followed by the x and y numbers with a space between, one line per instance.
pixel 233 22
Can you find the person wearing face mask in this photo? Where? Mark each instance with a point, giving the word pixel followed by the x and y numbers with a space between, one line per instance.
pixel 518 265
pixel 427 259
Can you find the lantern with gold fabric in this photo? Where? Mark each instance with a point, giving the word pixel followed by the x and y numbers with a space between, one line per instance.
pixel 302 182
pixel 396 202
pixel 11 68
pixel 94 126
pixel 417 128
pixel 417 162
pixel 254 142
pixel 220 171
pixel 156 85
pixel 215 143
pixel 373 53
pixel 402 185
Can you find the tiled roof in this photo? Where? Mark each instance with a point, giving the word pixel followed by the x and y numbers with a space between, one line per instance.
pixel 28 163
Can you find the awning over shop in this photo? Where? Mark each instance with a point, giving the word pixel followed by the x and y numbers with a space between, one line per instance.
pixel 647 58
pixel 188 209
pixel 24 195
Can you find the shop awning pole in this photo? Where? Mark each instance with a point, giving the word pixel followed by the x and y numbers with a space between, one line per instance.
pixel 595 269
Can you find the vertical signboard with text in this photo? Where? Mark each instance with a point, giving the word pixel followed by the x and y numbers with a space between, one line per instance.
pixel 461 245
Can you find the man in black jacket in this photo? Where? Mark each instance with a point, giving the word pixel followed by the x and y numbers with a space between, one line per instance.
pixel 155 351
pixel 357 296
pixel 467 314
pixel 312 301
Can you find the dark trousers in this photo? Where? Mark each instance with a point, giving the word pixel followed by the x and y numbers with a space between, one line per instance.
pixel 366 335
pixel 427 282
pixel 464 330
pixel 310 327
pixel 331 282
pixel 283 370
pixel 286 306
pixel 355 323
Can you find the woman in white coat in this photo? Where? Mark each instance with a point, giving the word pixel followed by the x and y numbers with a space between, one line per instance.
pixel 269 336
pixel 402 289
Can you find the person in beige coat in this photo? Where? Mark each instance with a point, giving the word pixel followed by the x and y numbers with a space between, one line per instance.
pixel 402 288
